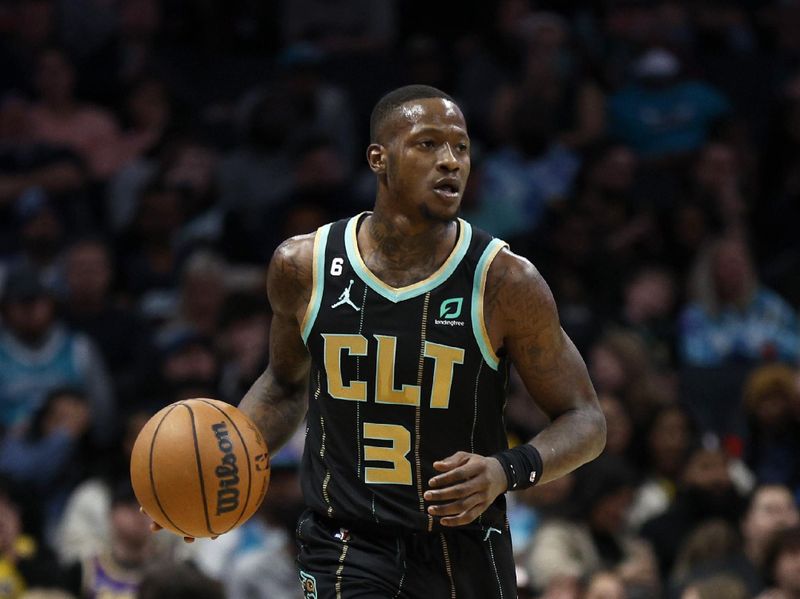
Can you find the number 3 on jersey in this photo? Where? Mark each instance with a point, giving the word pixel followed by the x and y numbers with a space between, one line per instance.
pixel 400 437
pixel 387 391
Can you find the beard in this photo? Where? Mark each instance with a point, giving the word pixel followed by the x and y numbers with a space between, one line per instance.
pixel 435 217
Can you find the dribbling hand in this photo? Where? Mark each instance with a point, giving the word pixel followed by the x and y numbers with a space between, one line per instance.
pixel 155 527
pixel 469 483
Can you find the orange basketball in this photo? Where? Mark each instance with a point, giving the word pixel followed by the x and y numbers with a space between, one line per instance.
pixel 200 467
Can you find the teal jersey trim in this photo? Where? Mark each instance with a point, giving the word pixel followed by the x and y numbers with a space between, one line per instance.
pixel 398 294
pixel 479 284
pixel 318 280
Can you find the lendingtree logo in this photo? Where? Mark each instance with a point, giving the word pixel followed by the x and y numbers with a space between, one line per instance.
pixel 449 310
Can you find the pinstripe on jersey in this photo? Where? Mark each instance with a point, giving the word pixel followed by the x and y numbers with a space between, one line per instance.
pixel 401 377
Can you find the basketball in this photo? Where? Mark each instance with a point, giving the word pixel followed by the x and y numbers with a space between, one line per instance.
pixel 200 467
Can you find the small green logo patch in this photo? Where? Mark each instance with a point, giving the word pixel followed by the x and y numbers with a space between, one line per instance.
pixel 451 308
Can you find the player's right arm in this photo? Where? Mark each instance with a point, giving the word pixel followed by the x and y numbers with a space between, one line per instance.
pixel 277 401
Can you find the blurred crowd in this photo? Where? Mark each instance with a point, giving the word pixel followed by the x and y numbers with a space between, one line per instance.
pixel 644 154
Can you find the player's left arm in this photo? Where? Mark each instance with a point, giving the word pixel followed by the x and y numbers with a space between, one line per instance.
pixel 522 319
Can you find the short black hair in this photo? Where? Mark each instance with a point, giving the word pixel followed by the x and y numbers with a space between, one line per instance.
pixel 396 98
pixel 178 581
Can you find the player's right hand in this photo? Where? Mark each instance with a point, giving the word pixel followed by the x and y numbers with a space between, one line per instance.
pixel 155 527
pixel 467 485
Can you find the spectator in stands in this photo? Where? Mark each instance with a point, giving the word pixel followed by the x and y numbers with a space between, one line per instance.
pixel 706 491
pixel 551 73
pixel 648 309
pixel 597 537
pixel 353 26
pixel 614 225
pixel 718 186
pixel 118 568
pixel 31 27
pixel 605 585
pixel 203 289
pixel 620 364
pixel 608 193
pixel 53 453
pixel 189 165
pixel 521 180
pixel 771 509
pixel 189 365
pixel 60 118
pixel 84 529
pixel 716 587
pixel 777 208
pixel 247 578
pixel 122 337
pixel 782 565
pixel 532 507
pixel 263 534
pixel 244 341
pixel 322 107
pixel 660 114
pixel 37 354
pixel 150 262
pixel 41 233
pixel 732 317
pixel 160 146
pixel 178 581
pixel 25 163
pixel 46 593
pixel 24 561
pixel 664 445
pixel 773 444
pixel 712 549
pixel 150 116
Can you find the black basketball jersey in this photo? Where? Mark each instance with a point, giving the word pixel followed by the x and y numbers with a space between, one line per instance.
pixel 400 378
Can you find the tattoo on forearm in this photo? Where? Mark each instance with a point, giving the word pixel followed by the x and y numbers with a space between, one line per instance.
pixel 275 409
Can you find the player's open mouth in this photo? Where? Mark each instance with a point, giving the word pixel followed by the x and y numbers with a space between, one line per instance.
pixel 448 188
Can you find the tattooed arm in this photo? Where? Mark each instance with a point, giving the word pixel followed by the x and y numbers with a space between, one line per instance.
pixel 521 318
pixel 277 400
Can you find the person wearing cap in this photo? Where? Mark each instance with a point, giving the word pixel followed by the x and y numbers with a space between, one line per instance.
pixel 40 232
pixel 188 364
pixel 659 114
pixel 37 354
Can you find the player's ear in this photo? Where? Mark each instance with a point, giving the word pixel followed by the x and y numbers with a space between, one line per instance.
pixel 376 158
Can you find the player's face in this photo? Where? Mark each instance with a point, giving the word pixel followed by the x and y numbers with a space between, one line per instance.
pixel 428 158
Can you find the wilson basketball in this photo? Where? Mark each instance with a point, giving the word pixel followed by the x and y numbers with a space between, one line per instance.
pixel 200 467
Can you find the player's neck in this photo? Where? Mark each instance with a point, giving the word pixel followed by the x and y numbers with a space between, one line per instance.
pixel 401 242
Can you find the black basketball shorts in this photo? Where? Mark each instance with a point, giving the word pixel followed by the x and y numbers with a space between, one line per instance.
pixel 337 562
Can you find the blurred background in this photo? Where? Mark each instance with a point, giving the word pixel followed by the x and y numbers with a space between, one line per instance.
pixel 644 154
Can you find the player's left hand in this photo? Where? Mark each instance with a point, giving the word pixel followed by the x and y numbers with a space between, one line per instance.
pixel 469 483
pixel 155 527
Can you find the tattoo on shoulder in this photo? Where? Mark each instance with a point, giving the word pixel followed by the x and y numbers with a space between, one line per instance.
pixel 517 293
pixel 290 272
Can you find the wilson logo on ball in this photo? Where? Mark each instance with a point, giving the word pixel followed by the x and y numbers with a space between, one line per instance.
pixel 227 472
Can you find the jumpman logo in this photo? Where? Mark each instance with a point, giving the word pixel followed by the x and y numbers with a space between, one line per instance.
pixel 345 298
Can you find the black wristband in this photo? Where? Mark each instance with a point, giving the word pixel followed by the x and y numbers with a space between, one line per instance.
pixel 522 465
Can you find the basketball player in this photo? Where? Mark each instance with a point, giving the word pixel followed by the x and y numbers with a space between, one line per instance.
pixel 394 330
